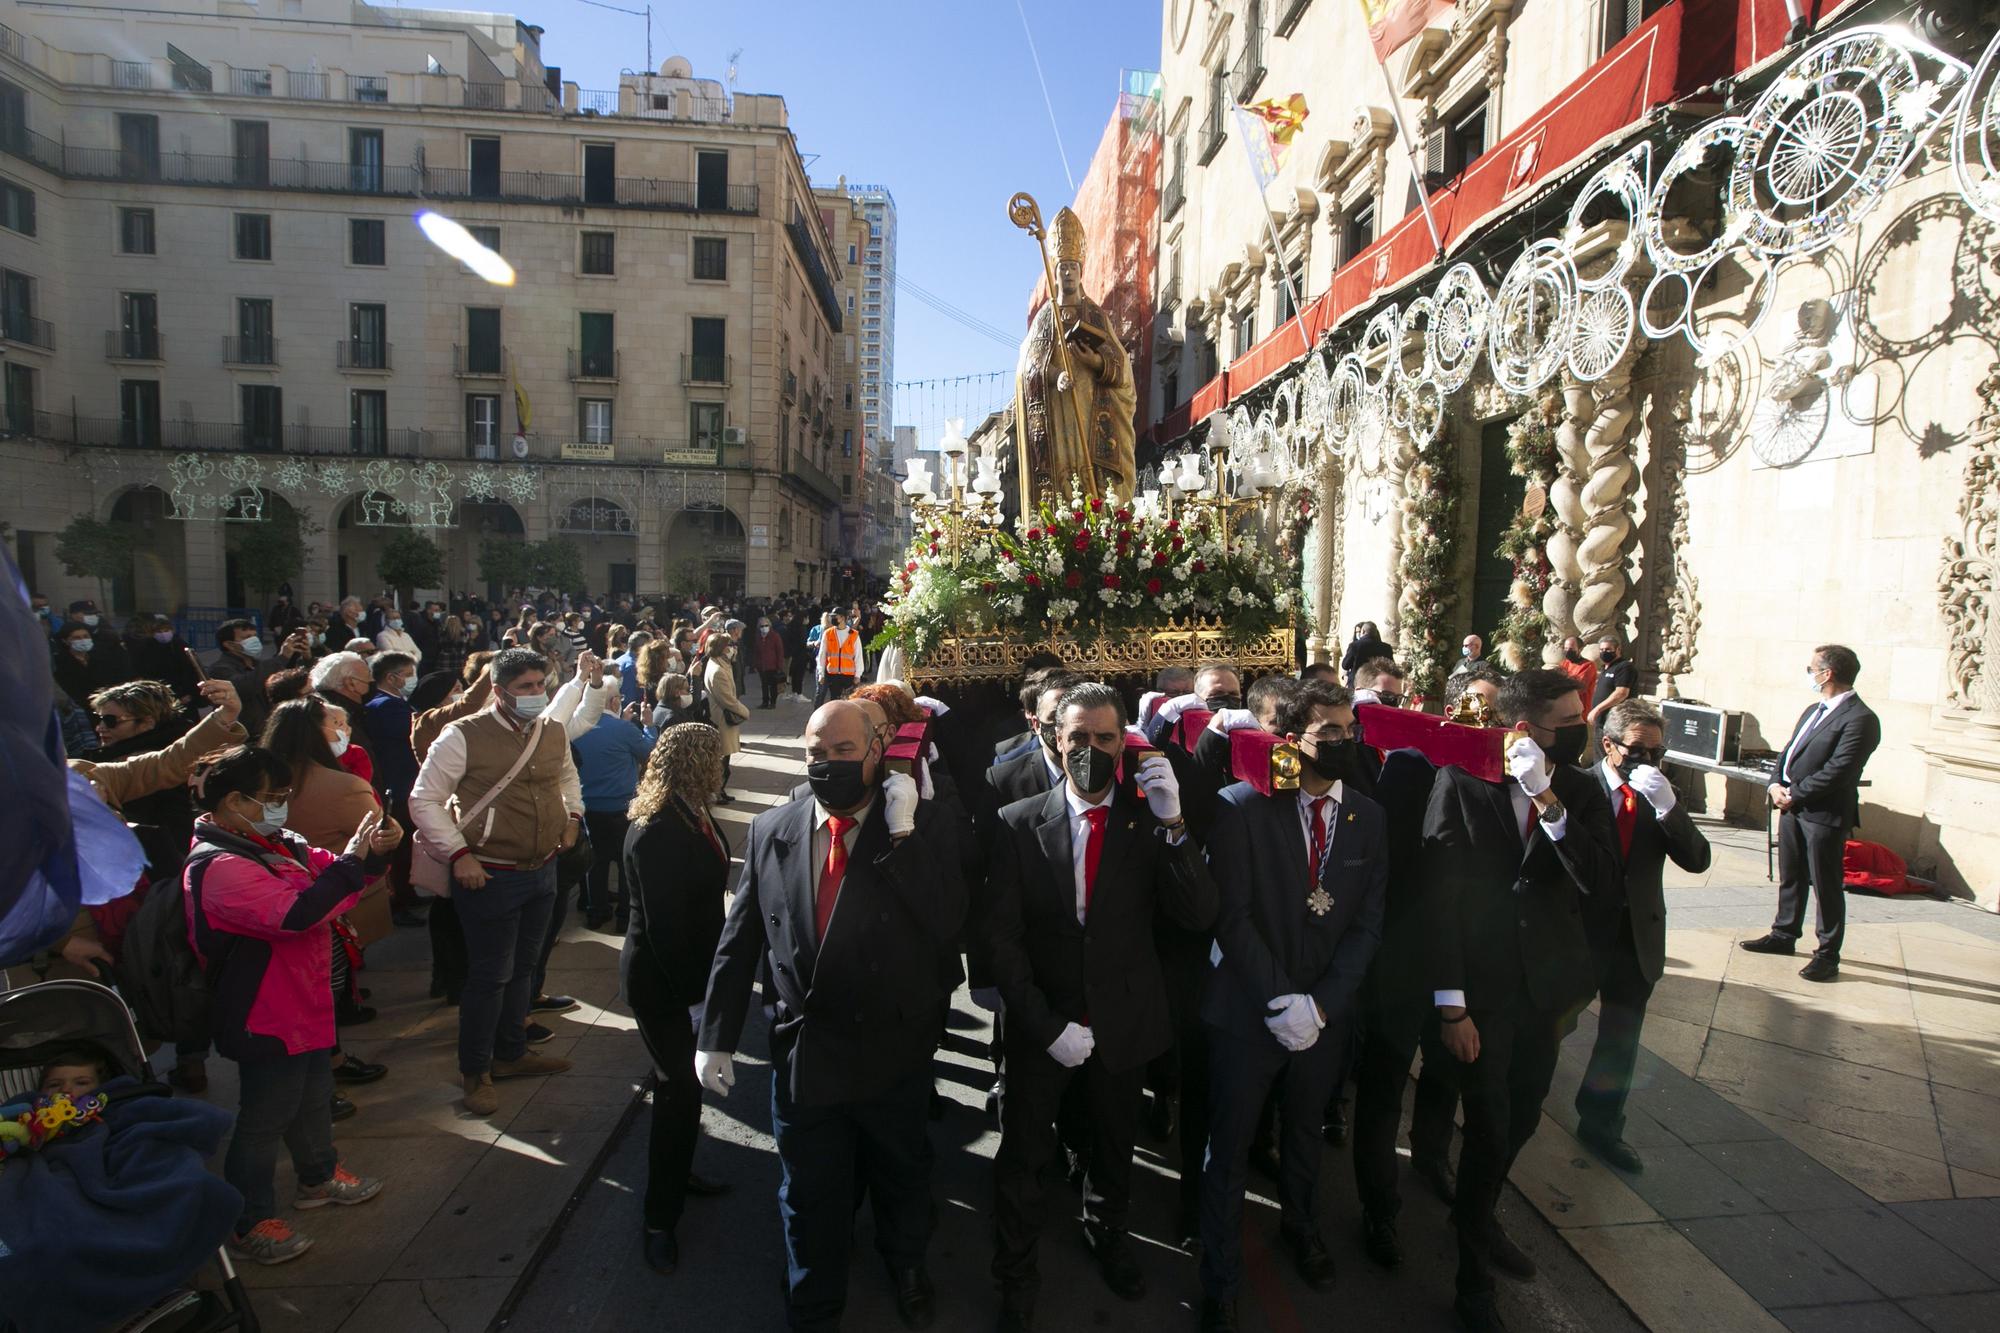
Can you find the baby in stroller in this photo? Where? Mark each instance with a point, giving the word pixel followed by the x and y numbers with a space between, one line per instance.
pixel 107 1207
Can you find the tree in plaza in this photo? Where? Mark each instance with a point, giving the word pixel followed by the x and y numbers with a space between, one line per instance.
pixel 96 549
pixel 691 575
pixel 272 551
pixel 410 561
pixel 556 563
pixel 501 561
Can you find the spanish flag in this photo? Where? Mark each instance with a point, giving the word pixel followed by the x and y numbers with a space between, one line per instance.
pixel 1391 23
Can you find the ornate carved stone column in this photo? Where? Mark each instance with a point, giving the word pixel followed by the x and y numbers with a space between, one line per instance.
pixel 1591 591
pixel 1329 554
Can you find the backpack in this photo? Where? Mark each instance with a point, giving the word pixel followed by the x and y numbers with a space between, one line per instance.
pixel 158 973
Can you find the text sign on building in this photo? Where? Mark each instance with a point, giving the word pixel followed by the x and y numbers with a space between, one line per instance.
pixel 688 458
pixel 760 534
pixel 581 452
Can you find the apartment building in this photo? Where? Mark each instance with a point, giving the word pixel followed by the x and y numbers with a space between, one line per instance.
pixel 218 303
pixel 876 252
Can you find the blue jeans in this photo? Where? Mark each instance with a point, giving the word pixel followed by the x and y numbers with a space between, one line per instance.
pixel 503 923
pixel 285 1097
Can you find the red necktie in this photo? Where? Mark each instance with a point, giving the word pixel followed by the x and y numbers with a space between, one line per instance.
pixel 1528 825
pixel 1317 813
pixel 1628 819
pixel 831 873
pixel 1093 851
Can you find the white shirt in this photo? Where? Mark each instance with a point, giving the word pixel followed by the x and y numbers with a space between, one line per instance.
pixel 1333 796
pixel 1079 835
pixel 823 839
pixel 575 709
pixel 1813 721
pixel 399 641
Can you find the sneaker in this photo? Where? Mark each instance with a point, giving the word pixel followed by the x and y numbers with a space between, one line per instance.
pixel 529 1065
pixel 342 1187
pixel 553 1004
pixel 480 1098
pixel 537 1034
pixel 270 1242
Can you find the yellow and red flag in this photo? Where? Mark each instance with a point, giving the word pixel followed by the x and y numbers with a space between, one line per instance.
pixel 1391 23
pixel 1269 135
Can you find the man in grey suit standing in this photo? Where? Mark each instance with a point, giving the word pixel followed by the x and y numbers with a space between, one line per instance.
pixel 1628 926
pixel 1818 791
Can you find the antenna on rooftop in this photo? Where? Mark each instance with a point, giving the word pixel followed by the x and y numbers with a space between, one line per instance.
pixel 734 56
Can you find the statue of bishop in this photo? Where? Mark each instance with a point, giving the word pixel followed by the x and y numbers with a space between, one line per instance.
pixel 1073 390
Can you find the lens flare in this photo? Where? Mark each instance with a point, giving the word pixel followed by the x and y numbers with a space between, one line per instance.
pixel 460 244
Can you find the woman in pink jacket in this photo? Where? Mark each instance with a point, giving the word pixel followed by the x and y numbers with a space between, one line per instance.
pixel 259 898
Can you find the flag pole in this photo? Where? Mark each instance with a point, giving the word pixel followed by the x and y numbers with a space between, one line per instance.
pixel 1410 147
pixel 1270 220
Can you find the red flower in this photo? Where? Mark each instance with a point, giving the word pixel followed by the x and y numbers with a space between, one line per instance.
pixel 1073 579
pixel 1082 542
pixel 1173 525
pixel 1006 554
pixel 1125 534
pixel 1159 559
pixel 1200 567
pixel 1032 580
pixel 1152 587
pixel 910 568
pixel 1095 504
pixel 1077 517
pixel 986 586
pixel 1034 534
pixel 1123 516
pixel 935 534
pixel 933 548
pixel 1110 580
pixel 1179 541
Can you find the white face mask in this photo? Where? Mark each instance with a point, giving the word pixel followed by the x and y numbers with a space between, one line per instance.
pixel 273 820
pixel 250 647
pixel 1812 683
pixel 90 621
pixel 338 745
pixel 528 705
pixel 83 645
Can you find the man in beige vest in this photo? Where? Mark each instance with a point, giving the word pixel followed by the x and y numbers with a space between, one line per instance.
pixel 502 861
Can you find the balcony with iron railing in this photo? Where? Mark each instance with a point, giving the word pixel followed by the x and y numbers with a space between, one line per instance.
pixel 18 326
pixel 1248 71
pixel 800 469
pixel 593 363
pixel 231 171
pixel 229 437
pixel 1289 14
pixel 1174 195
pixel 705 368
pixel 478 361
pixel 816 273
pixel 363 354
pixel 1211 133
pixel 132 344
pixel 256 350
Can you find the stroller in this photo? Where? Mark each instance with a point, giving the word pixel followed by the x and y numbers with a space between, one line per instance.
pixel 37 1021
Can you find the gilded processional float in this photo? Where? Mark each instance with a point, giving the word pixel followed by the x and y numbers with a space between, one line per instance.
pixel 1118 572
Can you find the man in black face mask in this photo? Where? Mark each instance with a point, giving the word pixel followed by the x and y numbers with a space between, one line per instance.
pixel 1079 875
pixel 1510 865
pixel 1302 876
pixel 1217 686
pixel 1628 928
pixel 835 884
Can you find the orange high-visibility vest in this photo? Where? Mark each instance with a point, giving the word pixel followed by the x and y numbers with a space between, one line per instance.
pixel 840 652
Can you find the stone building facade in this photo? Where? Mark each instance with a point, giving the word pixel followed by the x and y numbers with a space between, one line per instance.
pixel 221 304
pixel 1669 379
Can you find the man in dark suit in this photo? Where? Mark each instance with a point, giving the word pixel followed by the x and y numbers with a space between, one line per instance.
pixel 1510 864
pixel 844 895
pixel 1033 770
pixel 1301 876
pixel 1032 672
pixel 1628 930
pixel 1818 794
pixel 1079 876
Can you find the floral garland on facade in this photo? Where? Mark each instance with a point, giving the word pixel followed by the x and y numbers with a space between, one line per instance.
pixel 1531 453
pixel 1086 568
pixel 1427 567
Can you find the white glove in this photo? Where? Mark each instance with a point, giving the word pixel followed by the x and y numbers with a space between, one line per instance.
pixel 1652 784
pixel 899 804
pixel 935 707
pixel 988 998
pixel 694 1016
pixel 1232 719
pixel 1294 1022
pixel 1073 1047
pixel 1170 711
pixel 1163 791
pixel 714 1071
pixel 1528 764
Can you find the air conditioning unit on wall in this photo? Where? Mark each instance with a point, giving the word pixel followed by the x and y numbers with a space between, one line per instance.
pixel 735 435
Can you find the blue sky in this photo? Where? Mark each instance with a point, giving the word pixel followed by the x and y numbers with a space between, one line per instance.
pixel 936 100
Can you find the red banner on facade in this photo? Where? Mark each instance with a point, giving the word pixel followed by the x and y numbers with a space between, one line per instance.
pixel 1391 23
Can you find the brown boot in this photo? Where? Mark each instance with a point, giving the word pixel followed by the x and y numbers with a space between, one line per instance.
pixel 480 1098
pixel 529 1065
